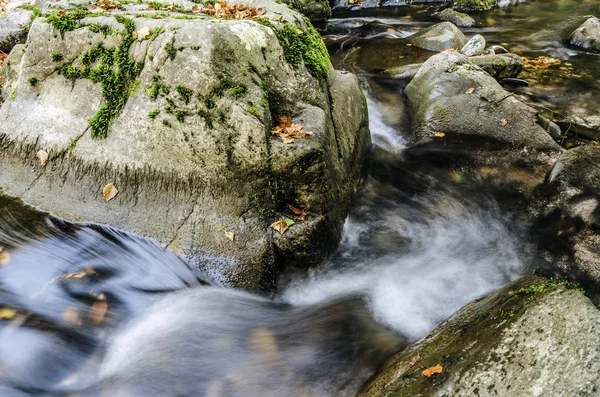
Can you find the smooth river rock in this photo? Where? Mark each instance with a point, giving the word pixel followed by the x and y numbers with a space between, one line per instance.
pixel 474 46
pixel 439 37
pixel 451 96
pixel 587 36
pixel 457 18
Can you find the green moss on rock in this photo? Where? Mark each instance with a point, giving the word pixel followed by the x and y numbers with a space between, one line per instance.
pixel 302 46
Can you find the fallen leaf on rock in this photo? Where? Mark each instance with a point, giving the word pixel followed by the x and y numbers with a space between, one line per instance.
pixel 236 11
pixel 144 32
pixel 440 134
pixel 436 86
pixel 503 122
pixel 438 369
pixel 98 311
pixel 4 257
pixel 71 317
pixel 470 90
pixel 42 156
pixel 7 313
pixel 288 131
pixel 109 192
pixel 297 211
pixel 281 225
pixel 229 235
pixel 97 10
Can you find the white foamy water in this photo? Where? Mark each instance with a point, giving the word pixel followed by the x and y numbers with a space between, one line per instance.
pixel 416 261
pixel 382 134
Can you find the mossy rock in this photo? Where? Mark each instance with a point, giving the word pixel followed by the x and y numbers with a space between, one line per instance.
pixel 535 337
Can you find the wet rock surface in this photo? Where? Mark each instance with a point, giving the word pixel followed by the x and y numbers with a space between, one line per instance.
pixel 587 36
pixel 439 37
pixel 510 343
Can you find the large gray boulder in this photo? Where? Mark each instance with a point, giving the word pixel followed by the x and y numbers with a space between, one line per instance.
pixel 587 36
pixel 439 37
pixel 181 126
pixel 450 95
pixel 535 337
pixel 13 28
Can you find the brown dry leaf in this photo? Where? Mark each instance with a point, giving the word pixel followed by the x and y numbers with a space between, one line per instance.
pixel 414 359
pixel 238 11
pixel 42 156
pixel 4 257
pixel 438 369
pixel 503 122
pixel 297 211
pixel 288 131
pixel 71 317
pixel 7 313
pixel 97 10
pixel 281 226
pixel 440 134
pixel 109 192
pixel 229 236
pixel 470 90
pixel 98 311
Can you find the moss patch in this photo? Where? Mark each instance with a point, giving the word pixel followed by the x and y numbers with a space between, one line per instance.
pixel 546 287
pixel 116 73
pixel 475 5
pixel 302 46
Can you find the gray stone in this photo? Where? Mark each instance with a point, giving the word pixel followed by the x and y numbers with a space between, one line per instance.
pixel 199 167
pixel 474 46
pixel 587 36
pixel 13 28
pixel 457 18
pixel 498 66
pixel 451 95
pixel 318 11
pixel 532 338
pixel 438 37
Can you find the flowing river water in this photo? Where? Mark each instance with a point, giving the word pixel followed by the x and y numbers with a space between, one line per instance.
pixel 416 248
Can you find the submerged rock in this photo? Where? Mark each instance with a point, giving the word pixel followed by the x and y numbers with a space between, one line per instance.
pixel 13 28
pixel 438 37
pixel 184 134
pixel 318 11
pixel 457 18
pixel 587 36
pixel 474 46
pixel 535 337
pixel 450 95
pixel 499 66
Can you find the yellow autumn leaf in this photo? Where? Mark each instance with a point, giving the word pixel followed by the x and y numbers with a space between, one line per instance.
pixel 229 236
pixel 109 192
pixel 4 257
pixel 470 90
pixel 440 134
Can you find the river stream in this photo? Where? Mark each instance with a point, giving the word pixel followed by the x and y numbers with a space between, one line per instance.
pixel 416 248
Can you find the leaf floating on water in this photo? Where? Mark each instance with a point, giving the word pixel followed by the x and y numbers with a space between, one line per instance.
pixel 71 317
pixel 7 313
pixel 503 122
pixel 429 372
pixel 42 155
pixel 470 90
pixel 109 192
pixel 75 275
pixel 297 211
pixel 230 235
pixel 281 226
pixel 98 311
pixel 4 257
